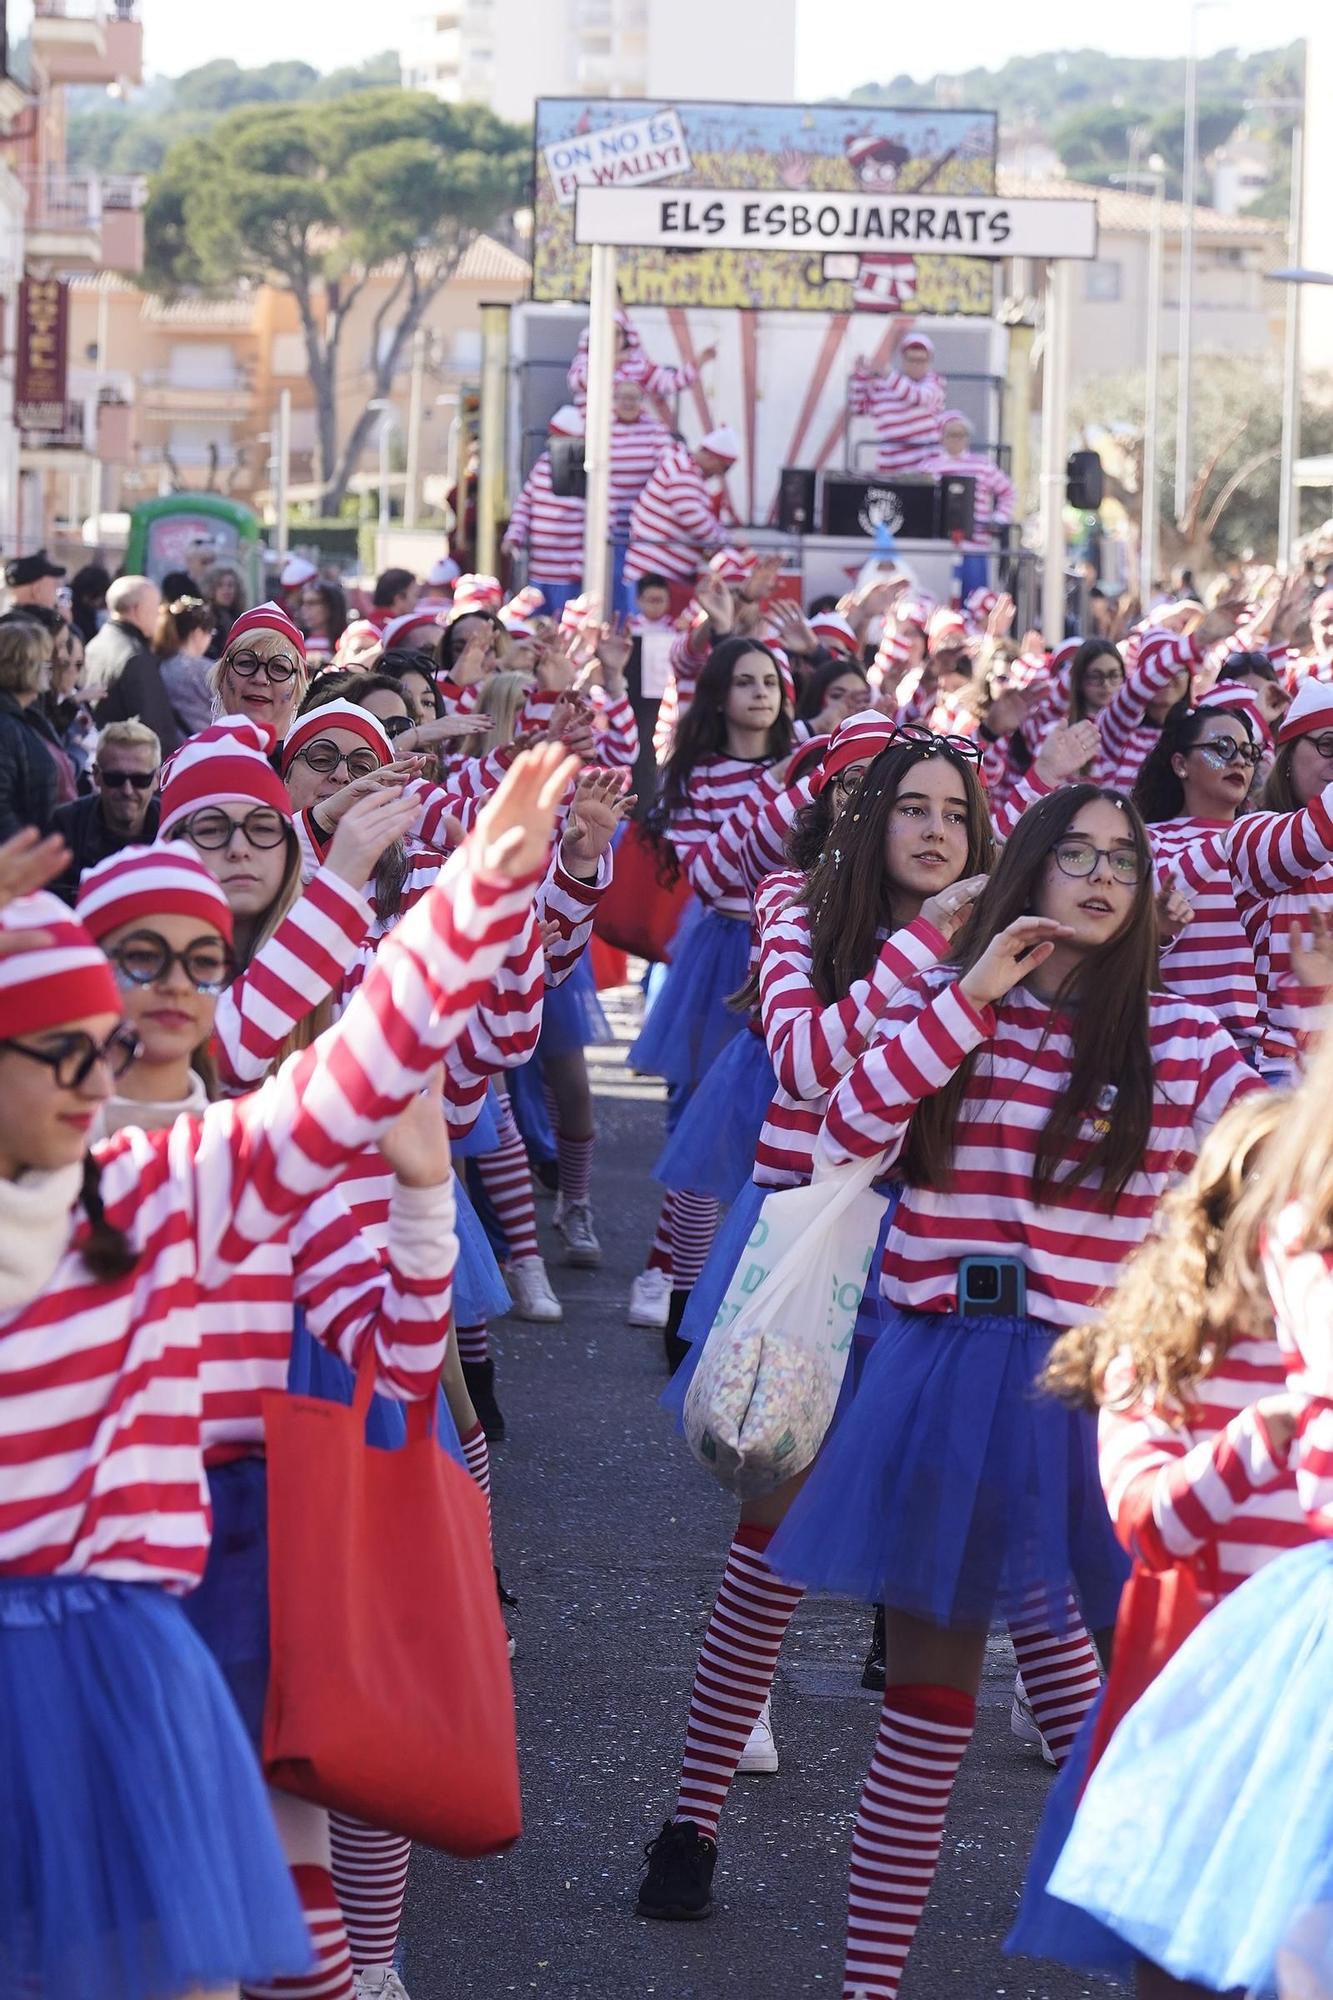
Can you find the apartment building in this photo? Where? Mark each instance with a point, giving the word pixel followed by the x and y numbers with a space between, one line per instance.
pixel 507 53
pixel 55 225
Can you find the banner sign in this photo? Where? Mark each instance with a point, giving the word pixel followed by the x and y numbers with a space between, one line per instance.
pixel 787 158
pixel 930 225
pixel 41 361
pixel 649 149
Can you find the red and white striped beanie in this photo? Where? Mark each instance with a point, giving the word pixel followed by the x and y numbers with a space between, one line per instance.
pixel 1233 699
pixel 141 883
pixel 1311 711
pixel 915 611
pixel 947 630
pixel 228 760
pixel 1063 655
pixel 269 617
pixel 732 565
pixel 361 632
pixel 336 715
pixel 476 593
pixel 854 740
pixel 835 632
pixel 979 605
pixel 427 621
pixel 65 979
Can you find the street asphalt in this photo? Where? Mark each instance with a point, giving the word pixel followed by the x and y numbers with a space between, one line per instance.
pixel 613 1540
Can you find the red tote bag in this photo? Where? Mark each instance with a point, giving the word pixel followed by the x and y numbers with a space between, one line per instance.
pixel 389 1694
pixel 646 898
pixel 1158 1611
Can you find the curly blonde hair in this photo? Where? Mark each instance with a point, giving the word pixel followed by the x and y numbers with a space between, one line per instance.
pixel 1183 1297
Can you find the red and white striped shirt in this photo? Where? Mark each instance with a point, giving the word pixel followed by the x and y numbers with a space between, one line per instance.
pixel 813 1045
pixel 1219 865
pixel 636 450
pixel 994 502
pixel 1126 739
pixel 672 525
pixel 1209 1490
pixel 1267 926
pixel 1300 1284
pixel 688 658
pixel 613 720
pixel 1071 1249
pixel 905 415
pixel 305 959
pixel 717 785
pixel 100 1380
pixel 655 378
pixel 549 525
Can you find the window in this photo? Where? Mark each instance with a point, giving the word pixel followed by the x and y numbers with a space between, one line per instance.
pixel 287 355
pixel 1101 282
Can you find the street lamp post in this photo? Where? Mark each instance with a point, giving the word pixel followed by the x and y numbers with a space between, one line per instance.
pixel 1155 174
pixel 387 426
pixel 1185 331
pixel 1288 516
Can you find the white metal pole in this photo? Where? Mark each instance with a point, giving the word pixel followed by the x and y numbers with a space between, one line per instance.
pixel 597 442
pixel 1152 409
pixel 282 482
pixel 1289 516
pixel 384 518
pixel 1185 329
pixel 1054 434
pixel 415 401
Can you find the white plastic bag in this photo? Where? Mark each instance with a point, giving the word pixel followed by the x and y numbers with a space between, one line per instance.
pixel 765 1390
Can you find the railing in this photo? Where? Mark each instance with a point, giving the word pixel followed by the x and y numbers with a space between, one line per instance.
pixel 86 10
pixel 77 200
pixel 62 426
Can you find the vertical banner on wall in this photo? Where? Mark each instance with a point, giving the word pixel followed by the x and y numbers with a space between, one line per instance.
pixel 42 354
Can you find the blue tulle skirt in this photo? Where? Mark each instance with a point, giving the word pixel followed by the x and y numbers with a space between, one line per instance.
pixel 138 1855
pixel 1045 1927
pixel 689 1023
pixel 527 1101
pixel 229 1610
pixel 711 1288
pixel 954 1490
pixel 1205 1836
pixel 314 1370
pixel 479 1290
pixel 572 1016
pixel 485 1134
pixel 712 1147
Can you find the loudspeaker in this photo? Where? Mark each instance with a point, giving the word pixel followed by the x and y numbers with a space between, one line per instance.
pixel 568 473
pixel 796 500
pixel 958 505
pixel 1084 487
pixel 854 505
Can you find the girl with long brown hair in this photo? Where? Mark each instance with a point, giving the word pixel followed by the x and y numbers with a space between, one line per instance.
pixel 1036 1094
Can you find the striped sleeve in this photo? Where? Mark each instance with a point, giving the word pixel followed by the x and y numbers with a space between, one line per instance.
pixel 1026 790
pixel 618 734
pixel 716 870
pixel 570 903
pixel 812 1046
pixel 520 521
pixel 1160 658
pixel 304 961
pixel 349 1296
pixel 1171 1498
pixel 1300 1284
pixel 1271 851
pixel 501 1029
pixel 252 1163
pixel 927 1039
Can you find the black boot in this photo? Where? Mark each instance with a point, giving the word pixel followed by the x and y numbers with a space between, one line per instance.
pixel 874 1672
pixel 676 1348
pixel 480 1379
pixel 508 1602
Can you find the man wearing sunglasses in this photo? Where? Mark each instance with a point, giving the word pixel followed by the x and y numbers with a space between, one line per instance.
pixel 122 812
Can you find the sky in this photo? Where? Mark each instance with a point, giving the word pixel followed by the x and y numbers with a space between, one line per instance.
pixel 840 44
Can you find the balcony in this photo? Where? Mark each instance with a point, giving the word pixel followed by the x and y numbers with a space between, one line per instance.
pixel 88 41
pixel 50 434
pixel 85 222
pixel 166 399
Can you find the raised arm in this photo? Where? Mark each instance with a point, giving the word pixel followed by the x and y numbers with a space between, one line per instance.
pixel 302 964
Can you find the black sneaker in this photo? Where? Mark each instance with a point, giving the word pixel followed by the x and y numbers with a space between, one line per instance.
pixel 508 1602
pixel 678 1884
pixel 674 1347
pixel 873 1672
pixel 480 1379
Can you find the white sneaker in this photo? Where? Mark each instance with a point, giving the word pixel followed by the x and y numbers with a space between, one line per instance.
pixel 574 1221
pixel 649 1299
pixel 533 1298
pixel 1023 1723
pixel 759 1758
pixel 379 1982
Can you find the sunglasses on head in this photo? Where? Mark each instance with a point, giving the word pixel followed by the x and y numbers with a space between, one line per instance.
pixel 965 747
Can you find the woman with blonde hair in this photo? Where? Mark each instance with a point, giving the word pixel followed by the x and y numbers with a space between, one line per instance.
pixel 261 671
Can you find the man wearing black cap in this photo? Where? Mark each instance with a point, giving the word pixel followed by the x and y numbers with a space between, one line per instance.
pixel 33 580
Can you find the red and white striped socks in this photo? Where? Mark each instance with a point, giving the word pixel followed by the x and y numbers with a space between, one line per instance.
pixel 734 1674
pixel 507 1179
pixel 693 1227
pixel 332 1976
pixel 1061 1676
pixel 474 1344
pixel 477 1458
pixel 575 1160
pixel 370 1876
pixel 659 1257
pixel 923 1736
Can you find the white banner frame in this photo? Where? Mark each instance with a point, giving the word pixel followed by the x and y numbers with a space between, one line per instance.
pixel 663 218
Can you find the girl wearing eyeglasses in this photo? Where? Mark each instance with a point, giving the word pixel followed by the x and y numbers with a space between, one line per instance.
pixel 113 1255
pixel 1036 1096
pixel 1191 791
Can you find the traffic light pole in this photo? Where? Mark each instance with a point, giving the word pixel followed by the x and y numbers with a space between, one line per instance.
pixel 1054 440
